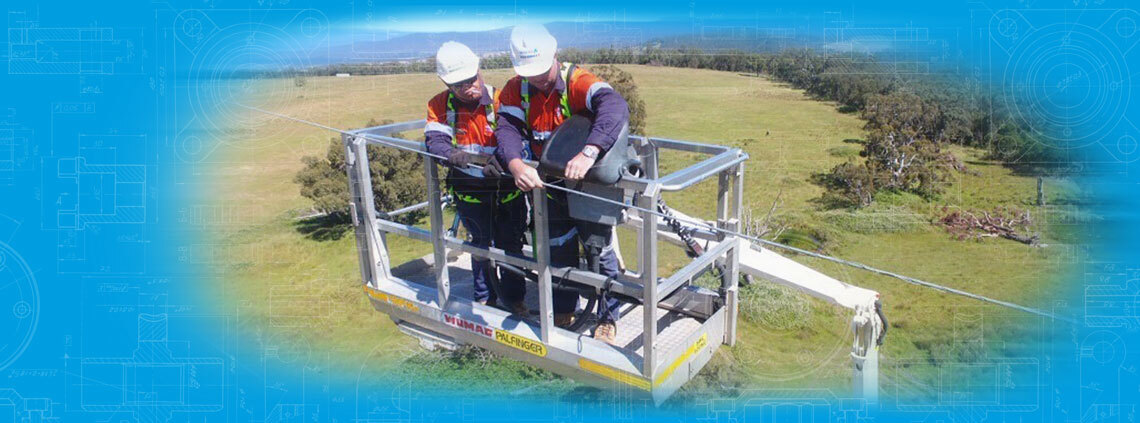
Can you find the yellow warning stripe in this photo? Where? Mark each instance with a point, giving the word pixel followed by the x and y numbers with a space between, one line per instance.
pixel 502 336
pixel 636 380
pixel 537 348
pixel 392 299
pixel 701 342
pixel 614 374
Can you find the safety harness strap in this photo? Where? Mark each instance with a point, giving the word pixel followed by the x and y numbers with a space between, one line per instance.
pixel 489 109
pixel 567 72
pixel 475 200
pixel 464 197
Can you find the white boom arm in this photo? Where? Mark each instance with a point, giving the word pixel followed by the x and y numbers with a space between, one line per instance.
pixel 866 324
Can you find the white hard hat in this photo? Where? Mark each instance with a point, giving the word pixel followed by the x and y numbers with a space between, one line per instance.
pixel 532 50
pixel 455 62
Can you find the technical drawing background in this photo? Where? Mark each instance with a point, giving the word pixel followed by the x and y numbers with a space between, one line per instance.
pixel 111 113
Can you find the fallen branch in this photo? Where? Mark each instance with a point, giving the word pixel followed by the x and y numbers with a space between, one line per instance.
pixel 1000 222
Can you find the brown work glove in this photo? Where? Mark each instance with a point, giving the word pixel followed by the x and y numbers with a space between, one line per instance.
pixel 492 169
pixel 459 158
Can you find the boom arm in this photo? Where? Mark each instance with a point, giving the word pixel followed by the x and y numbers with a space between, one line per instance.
pixel 868 324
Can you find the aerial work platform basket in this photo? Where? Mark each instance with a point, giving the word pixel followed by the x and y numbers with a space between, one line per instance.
pixel 669 327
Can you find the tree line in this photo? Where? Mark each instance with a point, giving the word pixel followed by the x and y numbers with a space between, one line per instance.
pixel 910 116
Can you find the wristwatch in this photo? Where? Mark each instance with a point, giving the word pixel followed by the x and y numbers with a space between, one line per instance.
pixel 590 151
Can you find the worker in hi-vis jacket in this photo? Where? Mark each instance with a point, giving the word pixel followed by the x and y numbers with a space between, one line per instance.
pixel 531 106
pixel 461 127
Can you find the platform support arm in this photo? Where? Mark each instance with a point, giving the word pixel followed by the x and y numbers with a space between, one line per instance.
pixel 542 260
pixel 438 232
pixel 378 262
pixel 730 199
pixel 357 211
pixel 648 262
pixel 648 155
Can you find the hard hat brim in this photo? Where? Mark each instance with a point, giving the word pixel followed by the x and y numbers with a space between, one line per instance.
pixel 536 68
pixel 459 75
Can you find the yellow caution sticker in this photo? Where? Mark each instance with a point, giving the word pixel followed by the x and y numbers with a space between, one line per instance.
pixel 614 374
pixel 392 299
pixel 518 342
pixel 701 342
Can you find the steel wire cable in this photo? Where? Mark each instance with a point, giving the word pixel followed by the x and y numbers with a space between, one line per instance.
pixel 703 225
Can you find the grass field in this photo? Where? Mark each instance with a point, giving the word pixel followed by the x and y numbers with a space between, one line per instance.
pixel 299 280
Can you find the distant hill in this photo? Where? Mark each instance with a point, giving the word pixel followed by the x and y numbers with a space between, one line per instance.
pixel 752 36
pixel 411 46
pixel 767 34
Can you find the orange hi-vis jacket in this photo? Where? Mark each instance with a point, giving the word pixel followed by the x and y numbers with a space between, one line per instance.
pixel 469 127
pixel 575 92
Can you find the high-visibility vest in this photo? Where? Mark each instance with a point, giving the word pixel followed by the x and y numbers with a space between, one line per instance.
pixel 567 71
pixel 572 98
pixel 451 120
pixel 489 109
pixel 443 115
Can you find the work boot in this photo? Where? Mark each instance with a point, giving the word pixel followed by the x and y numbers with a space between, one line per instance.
pixel 518 308
pixel 606 332
pixel 563 320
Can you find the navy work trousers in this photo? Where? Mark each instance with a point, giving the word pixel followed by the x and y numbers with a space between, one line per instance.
pixel 564 241
pixel 494 219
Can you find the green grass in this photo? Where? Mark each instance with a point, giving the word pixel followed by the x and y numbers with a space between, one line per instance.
pixel 299 281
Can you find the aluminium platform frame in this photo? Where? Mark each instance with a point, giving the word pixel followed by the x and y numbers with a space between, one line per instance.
pixel 434 316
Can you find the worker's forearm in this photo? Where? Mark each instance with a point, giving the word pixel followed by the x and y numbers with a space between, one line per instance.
pixel 510 139
pixel 610 113
pixel 516 166
pixel 438 143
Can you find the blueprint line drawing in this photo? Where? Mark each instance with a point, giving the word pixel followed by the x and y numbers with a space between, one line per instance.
pixel 38 50
pixel 95 191
pixel 152 382
pixel 16 147
pixel 19 305
pixel 1069 81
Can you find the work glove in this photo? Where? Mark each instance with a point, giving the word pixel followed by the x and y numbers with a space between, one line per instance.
pixel 492 169
pixel 459 158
